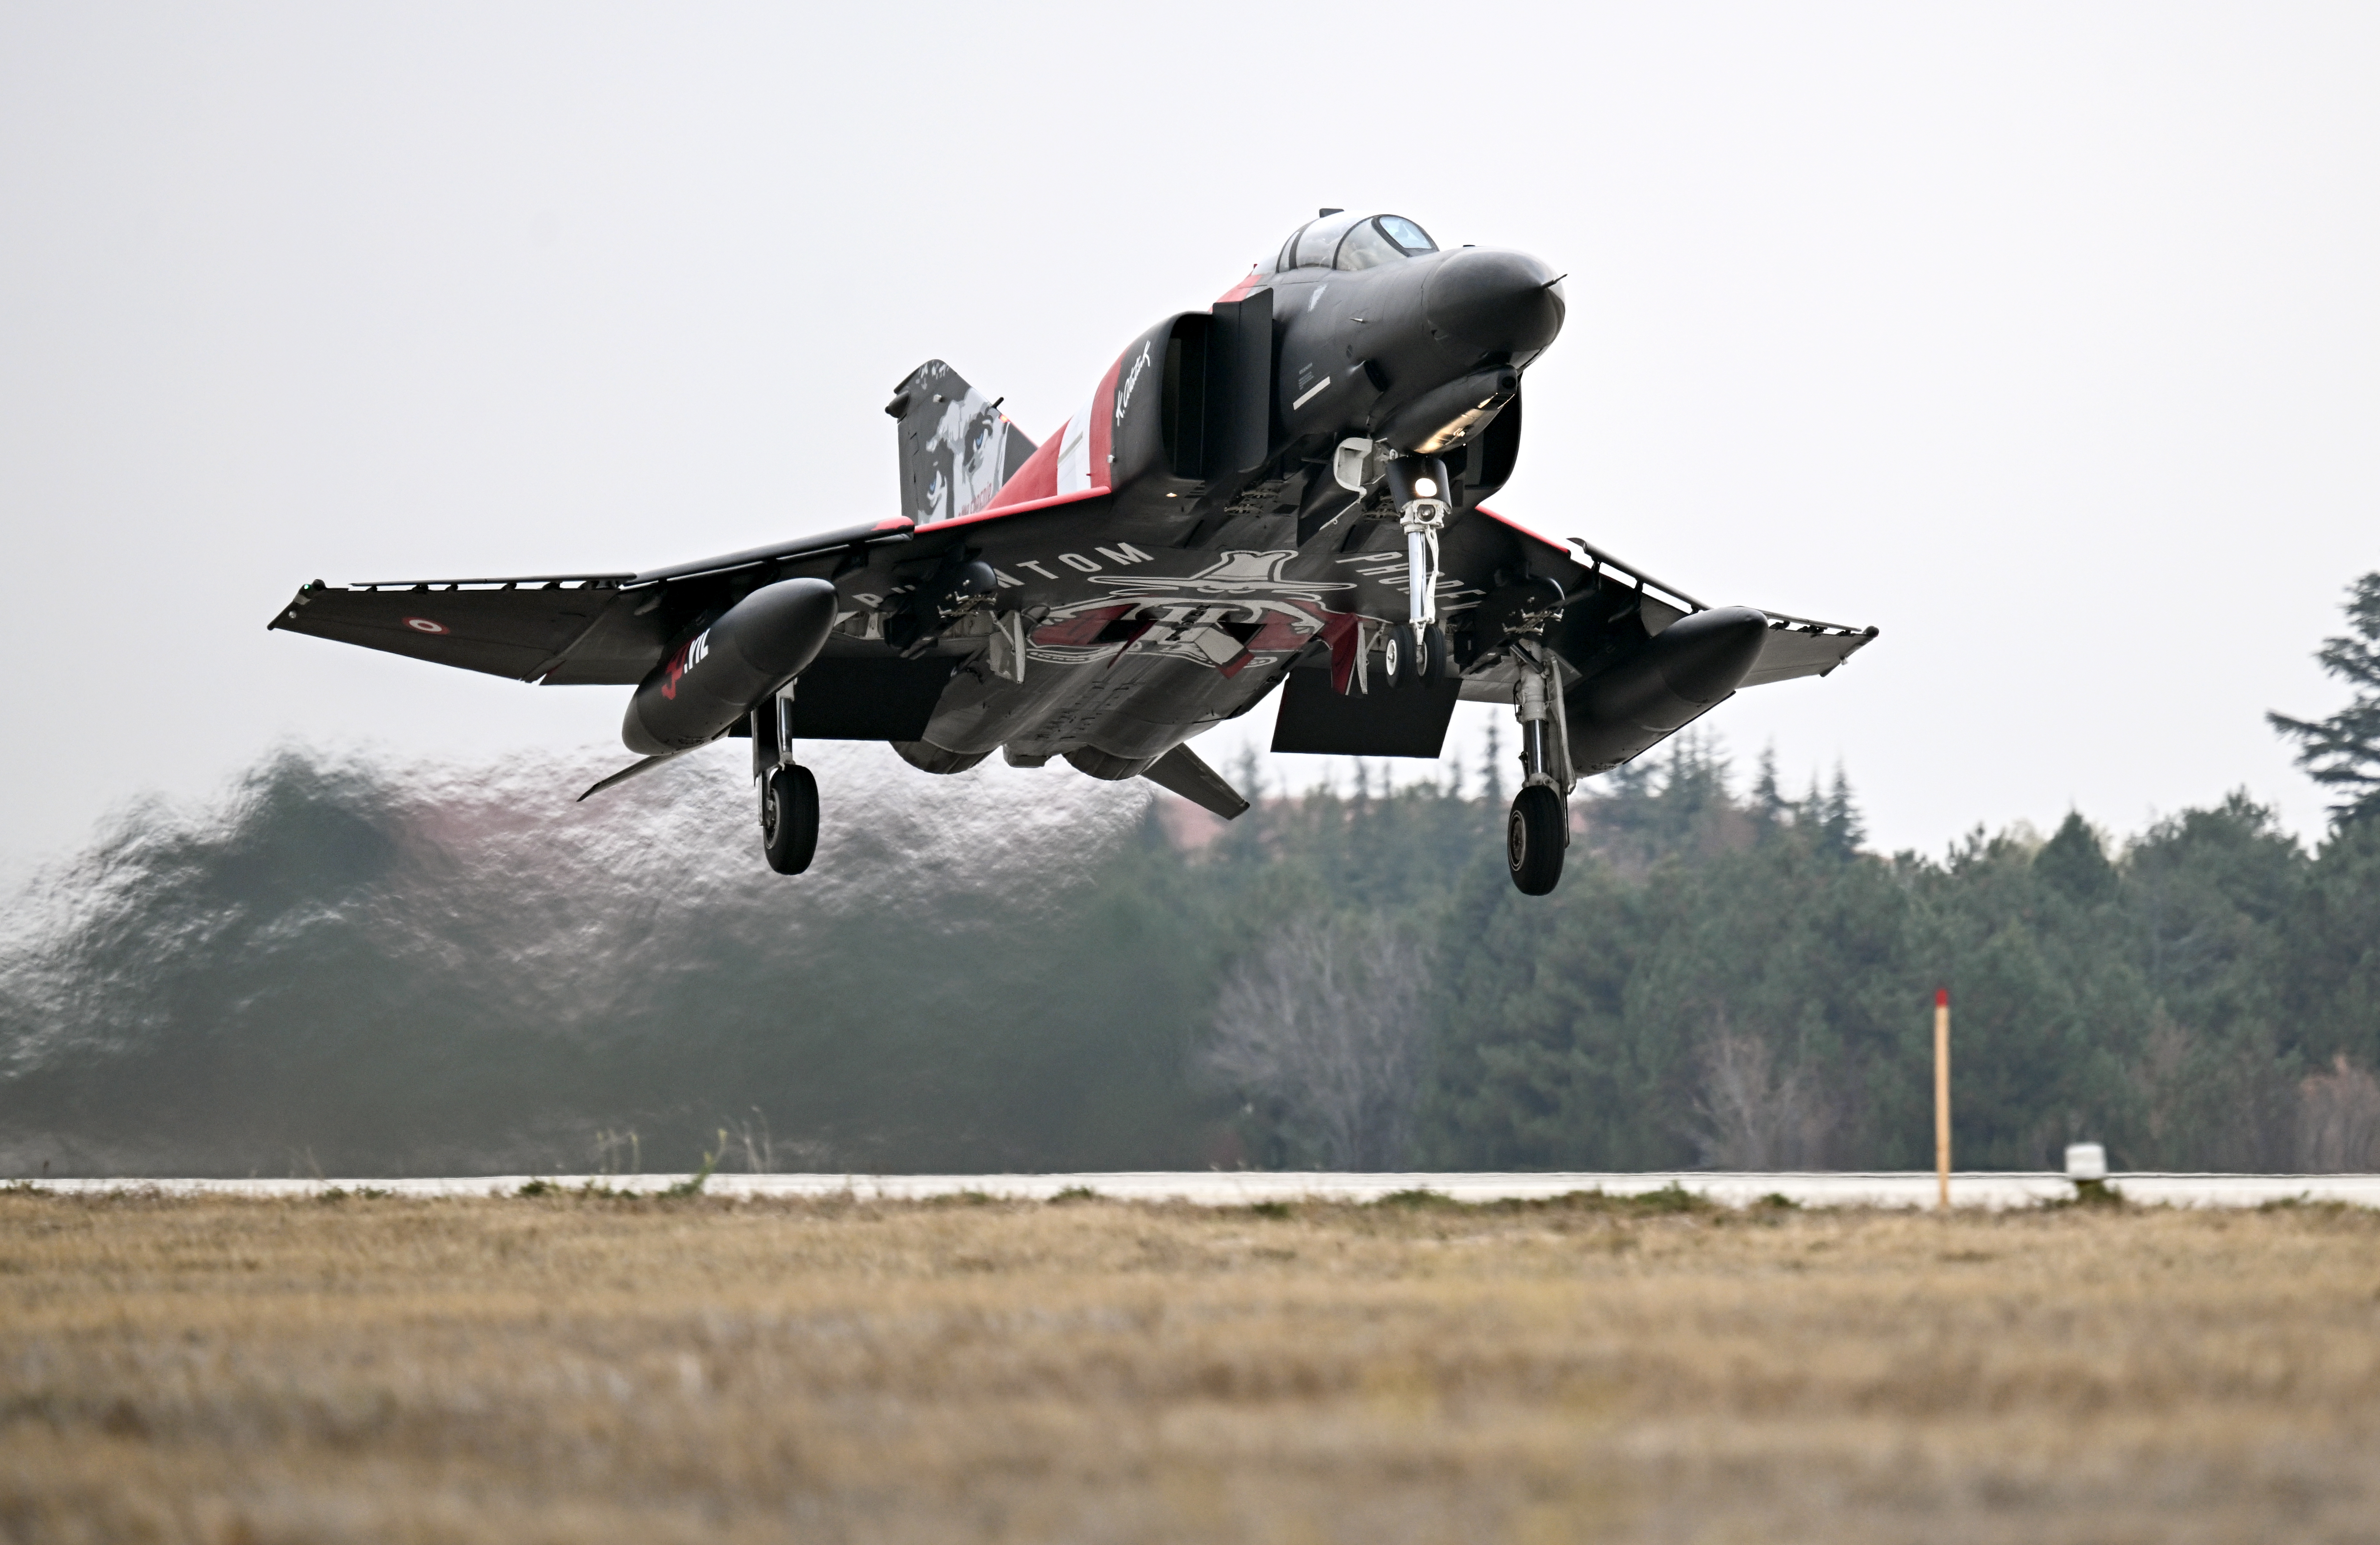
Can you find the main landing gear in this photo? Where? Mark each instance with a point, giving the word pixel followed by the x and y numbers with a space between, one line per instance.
pixel 789 797
pixel 789 817
pixel 1536 833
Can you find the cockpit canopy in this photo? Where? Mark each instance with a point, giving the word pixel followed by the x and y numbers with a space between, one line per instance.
pixel 1353 241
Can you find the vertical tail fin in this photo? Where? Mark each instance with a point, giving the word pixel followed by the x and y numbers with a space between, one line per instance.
pixel 956 448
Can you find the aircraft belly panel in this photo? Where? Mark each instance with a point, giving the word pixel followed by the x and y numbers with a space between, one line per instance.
pixel 1140 706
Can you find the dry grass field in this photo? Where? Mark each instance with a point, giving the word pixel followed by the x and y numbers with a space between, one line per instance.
pixel 572 1369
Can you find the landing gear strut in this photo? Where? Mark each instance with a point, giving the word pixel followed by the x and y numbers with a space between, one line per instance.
pixel 1537 832
pixel 1419 486
pixel 789 799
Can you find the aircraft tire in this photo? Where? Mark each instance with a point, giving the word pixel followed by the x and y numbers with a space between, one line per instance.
pixel 789 818
pixel 1433 657
pixel 1534 837
pixel 1407 655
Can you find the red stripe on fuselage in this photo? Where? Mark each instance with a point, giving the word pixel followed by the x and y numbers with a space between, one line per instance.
pixel 1038 479
pixel 1241 290
pixel 1102 468
pixel 1026 508
pixel 1510 524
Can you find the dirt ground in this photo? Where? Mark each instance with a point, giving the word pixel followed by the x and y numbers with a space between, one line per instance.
pixel 570 1367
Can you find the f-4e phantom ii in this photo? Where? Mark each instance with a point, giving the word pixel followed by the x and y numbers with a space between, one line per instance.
pixel 1282 491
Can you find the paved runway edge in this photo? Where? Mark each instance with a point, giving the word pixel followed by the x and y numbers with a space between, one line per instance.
pixel 1241 1187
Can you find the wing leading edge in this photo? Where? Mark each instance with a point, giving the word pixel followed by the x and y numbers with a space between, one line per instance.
pixel 562 631
pixel 521 628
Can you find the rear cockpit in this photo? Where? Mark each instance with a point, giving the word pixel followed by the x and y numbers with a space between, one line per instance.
pixel 1341 241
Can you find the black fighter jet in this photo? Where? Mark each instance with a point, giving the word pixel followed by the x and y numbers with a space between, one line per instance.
pixel 1283 491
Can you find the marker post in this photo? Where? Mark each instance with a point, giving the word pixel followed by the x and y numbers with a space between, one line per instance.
pixel 1942 1097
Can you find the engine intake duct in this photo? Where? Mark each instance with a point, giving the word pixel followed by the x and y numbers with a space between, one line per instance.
pixel 1688 668
pixel 722 673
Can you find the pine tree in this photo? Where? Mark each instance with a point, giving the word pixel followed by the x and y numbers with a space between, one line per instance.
pixel 2343 751
pixel 1769 805
pixel 1842 831
pixel 2075 861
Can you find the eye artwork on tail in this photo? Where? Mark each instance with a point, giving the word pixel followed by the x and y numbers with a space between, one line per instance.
pixel 1286 491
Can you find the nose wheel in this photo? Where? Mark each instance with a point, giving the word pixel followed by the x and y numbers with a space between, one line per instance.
pixel 1413 654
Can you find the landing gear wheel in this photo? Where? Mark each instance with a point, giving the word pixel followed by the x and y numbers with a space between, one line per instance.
pixel 1394 655
pixel 789 818
pixel 1432 657
pixel 1408 655
pixel 1536 833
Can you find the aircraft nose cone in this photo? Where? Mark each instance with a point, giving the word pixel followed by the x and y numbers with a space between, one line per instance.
pixel 1493 301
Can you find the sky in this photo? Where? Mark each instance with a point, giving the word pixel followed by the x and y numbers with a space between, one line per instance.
pixel 2044 337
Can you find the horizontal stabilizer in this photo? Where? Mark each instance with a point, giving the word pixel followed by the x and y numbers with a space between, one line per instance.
pixel 644 764
pixel 1180 772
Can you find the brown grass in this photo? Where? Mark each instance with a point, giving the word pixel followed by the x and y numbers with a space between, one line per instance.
pixel 589 1369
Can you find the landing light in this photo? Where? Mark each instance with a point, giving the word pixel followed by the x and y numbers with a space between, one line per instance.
pixel 1425 487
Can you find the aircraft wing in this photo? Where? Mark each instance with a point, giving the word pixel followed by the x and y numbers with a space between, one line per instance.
pixel 572 629
pixel 1795 646
pixel 509 628
pixel 614 628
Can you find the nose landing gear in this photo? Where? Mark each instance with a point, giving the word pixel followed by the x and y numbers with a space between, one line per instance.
pixel 1419 486
pixel 789 797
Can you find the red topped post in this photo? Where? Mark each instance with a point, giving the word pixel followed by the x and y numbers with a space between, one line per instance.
pixel 1942 1097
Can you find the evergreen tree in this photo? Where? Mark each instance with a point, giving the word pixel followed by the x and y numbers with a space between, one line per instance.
pixel 1769 806
pixel 2074 862
pixel 2343 751
pixel 1840 829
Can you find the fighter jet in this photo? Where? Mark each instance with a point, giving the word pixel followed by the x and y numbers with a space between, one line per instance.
pixel 1283 492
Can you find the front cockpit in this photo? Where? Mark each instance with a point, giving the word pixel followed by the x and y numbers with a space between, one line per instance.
pixel 1341 241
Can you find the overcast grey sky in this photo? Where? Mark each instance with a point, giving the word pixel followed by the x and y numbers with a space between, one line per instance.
pixel 2046 337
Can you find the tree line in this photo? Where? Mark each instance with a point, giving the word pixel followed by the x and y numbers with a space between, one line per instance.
pixel 1728 978
pixel 365 969
pixel 1731 979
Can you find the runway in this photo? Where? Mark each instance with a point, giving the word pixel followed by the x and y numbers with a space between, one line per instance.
pixel 1984 1190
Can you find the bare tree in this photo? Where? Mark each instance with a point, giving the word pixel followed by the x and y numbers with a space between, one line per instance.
pixel 1757 1115
pixel 1326 1023
pixel 2338 1120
